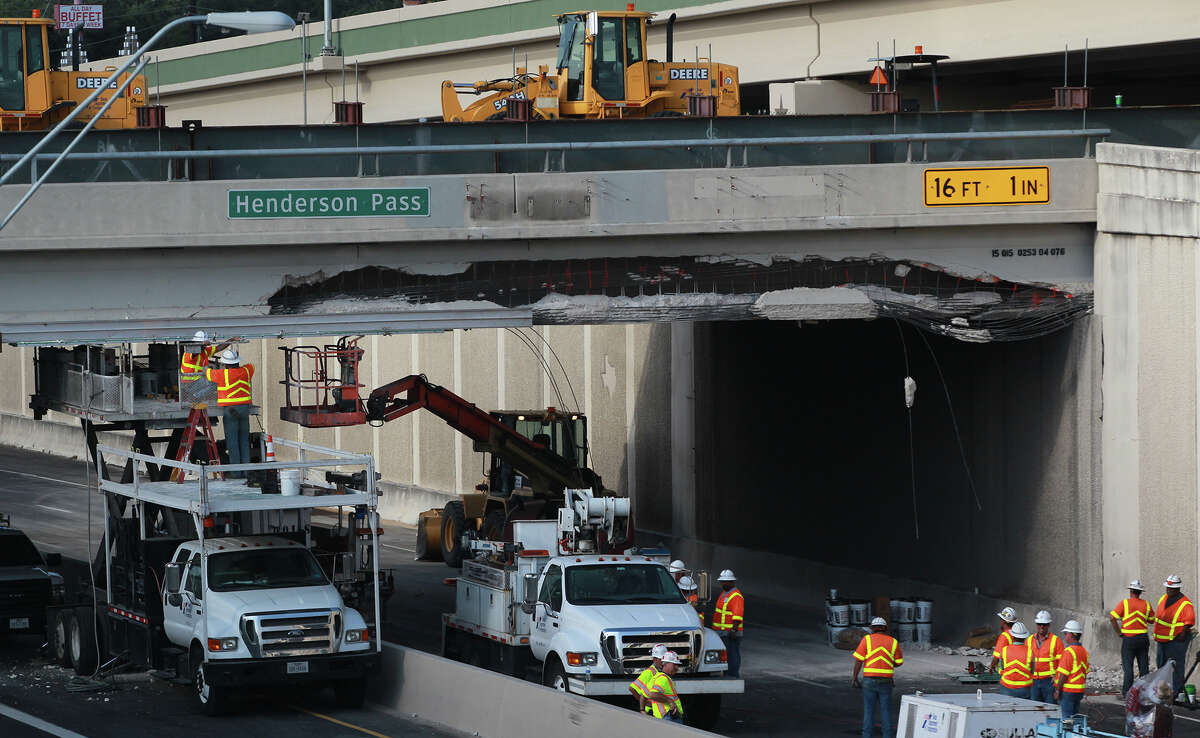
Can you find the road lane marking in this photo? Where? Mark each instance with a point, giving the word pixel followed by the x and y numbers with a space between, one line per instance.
pixel 797 679
pixel 35 722
pixel 398 548
pixel 55 509
pixel 1185 717
pixel 335 721
pixel 38 476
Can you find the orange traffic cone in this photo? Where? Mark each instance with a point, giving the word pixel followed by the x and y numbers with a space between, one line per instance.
pixel 270 450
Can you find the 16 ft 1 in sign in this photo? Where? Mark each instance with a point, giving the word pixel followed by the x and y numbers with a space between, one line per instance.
pixel 987 186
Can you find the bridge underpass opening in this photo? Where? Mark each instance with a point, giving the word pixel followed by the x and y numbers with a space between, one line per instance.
pixel 808 474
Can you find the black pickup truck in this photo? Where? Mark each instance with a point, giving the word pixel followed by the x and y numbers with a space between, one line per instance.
pixel 27 587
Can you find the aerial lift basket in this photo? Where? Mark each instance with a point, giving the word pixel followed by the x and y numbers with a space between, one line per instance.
pixel 321 388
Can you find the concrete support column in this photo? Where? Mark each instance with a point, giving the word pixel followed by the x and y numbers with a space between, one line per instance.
pixel 683 430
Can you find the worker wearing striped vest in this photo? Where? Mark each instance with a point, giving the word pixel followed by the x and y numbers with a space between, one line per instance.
pixel 662 695
pixel 640 687
pixel 728 618
pixel 1016 663
pixel 193 364
pixel 233 396
pixel 1174 619
pixel 688 587
pixel 1131 621
pixel 1073 667
pixel 877 656
pixel 1007 616
pixel 1047 648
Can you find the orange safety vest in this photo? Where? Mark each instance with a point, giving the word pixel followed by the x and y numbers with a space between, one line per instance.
pixel 730 610
pixel 1017 666
pixel 192 366
pixel 694 600
pixel 1133 613
pixel 1074 667
pixel 1045 656
pixel 1170 621
pixel 233 385
pixel 663 684
pixel 880 654
pixel 1005 639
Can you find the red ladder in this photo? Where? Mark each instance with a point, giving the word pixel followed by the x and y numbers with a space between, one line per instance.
pixel 197 420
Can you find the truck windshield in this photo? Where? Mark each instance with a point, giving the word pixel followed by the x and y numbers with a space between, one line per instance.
pixel 17 550
pixel 259 569
pixel 621 584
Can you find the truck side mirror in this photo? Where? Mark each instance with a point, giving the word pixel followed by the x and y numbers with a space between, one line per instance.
pixel 54 559
pixel 174 576
pixel 702 586
pixel 529 601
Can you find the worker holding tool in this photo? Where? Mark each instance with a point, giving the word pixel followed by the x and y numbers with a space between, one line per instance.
pixel 1130 619
pixel 640 687
pixel 728 618
pixel 1007 616
pixel 193 365
pixel 677 569
pixel 662 696
pixel 233 395
pixel 1174 618
pixel 1047 649
pixel 877 656
pixel 1071 679
pixel 1016 663
pixel 688 586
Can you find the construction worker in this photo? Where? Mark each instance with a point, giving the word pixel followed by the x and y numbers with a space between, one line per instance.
pixel 728 619
pixel 1174 618
pixel 1047 648
pixel 1071 678
pixel 1130 619
pixel 1016 663
pixel 877 656
pixel 193 365
pixel 688 586
pixel 233 396
pixel 662 696
pixel 1007 616
pixel 640 687
pixel 677 569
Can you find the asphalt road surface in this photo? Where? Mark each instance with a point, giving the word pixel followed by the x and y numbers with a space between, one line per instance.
pixel 796 685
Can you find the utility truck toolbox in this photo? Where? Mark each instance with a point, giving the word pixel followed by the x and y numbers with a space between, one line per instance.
pixel 970 715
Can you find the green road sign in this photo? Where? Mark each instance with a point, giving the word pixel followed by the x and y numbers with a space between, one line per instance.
pixel 358 202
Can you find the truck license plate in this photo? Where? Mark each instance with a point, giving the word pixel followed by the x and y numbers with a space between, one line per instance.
pixel 18 623
pixel 297 667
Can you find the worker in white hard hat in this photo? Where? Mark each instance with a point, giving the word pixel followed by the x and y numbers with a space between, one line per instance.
pixel 728 619
pixel 1007 616
pixel 688 586
pixel 1174 619
pixel 1016 663
pixel 1071 679
pixel 640 687
pixel 877 656
pixel 195 360
pixel 662 696
pixel 1131 621
pixel 1047 648
pixel 677 569
pixel 233 397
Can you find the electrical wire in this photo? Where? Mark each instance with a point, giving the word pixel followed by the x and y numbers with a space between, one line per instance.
pixel 541 361
pixel 953 420
pixel 571 387
pixel 912 460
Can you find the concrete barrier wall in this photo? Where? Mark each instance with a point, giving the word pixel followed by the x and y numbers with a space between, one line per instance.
pixel 480 702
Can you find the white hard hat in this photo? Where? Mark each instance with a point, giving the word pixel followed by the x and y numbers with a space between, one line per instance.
pixel 727 576
pixel 686 582
pixel 1137 584
pixel 1173 582
pixel 670 657
pixel 677 566
pixel 200 336
pixel 658 651
pixel 1019 632
pixel 229 356
pixel 1008 615
pixel 1043 617
pixel 878 622
pixel 1073 626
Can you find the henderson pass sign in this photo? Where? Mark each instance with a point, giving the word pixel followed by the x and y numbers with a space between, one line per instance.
pixel 359 202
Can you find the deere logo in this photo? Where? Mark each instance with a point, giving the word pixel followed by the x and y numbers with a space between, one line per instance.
pixel 91 83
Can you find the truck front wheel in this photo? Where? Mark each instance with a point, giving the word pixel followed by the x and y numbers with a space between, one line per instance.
pixel 350 692
pixel 211 699
pixel 554 676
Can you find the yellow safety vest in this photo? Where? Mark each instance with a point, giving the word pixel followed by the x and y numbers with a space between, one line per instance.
pixel 641 685
pixel 192 366
pixel 663 684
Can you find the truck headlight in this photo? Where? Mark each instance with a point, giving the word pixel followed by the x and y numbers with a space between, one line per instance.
pixel 357 635
pixel 222 644
pixel 716 657
pixel 581 659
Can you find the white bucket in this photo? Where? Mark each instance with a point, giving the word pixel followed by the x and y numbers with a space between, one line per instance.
pixel 839 615
pixel 905 632
pixel 924 611
pixel 289 482
pixel 908 611
pixel 924 633
pixel 860 612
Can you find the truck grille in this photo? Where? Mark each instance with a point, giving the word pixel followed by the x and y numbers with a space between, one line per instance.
pixel 630 650
pixel 24 595
pixel 298 633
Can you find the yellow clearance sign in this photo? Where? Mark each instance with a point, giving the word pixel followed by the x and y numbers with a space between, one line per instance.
pixel 987 186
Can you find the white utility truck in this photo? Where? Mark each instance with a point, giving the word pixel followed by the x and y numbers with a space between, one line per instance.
pixel 585 621
pixel 246 602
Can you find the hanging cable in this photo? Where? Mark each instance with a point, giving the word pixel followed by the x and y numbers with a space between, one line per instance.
pixel 953 420
pixel 563 369
pixel 542 362
pixel 912 461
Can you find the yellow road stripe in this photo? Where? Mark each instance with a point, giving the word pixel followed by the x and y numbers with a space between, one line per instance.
pixel 342 723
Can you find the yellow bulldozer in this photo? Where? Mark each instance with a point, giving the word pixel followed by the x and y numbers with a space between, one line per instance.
pixel 34 96
pixel 602 72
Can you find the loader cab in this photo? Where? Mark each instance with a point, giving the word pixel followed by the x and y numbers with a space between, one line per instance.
pixel 564 433
pixel 24 65
pixel 602 58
